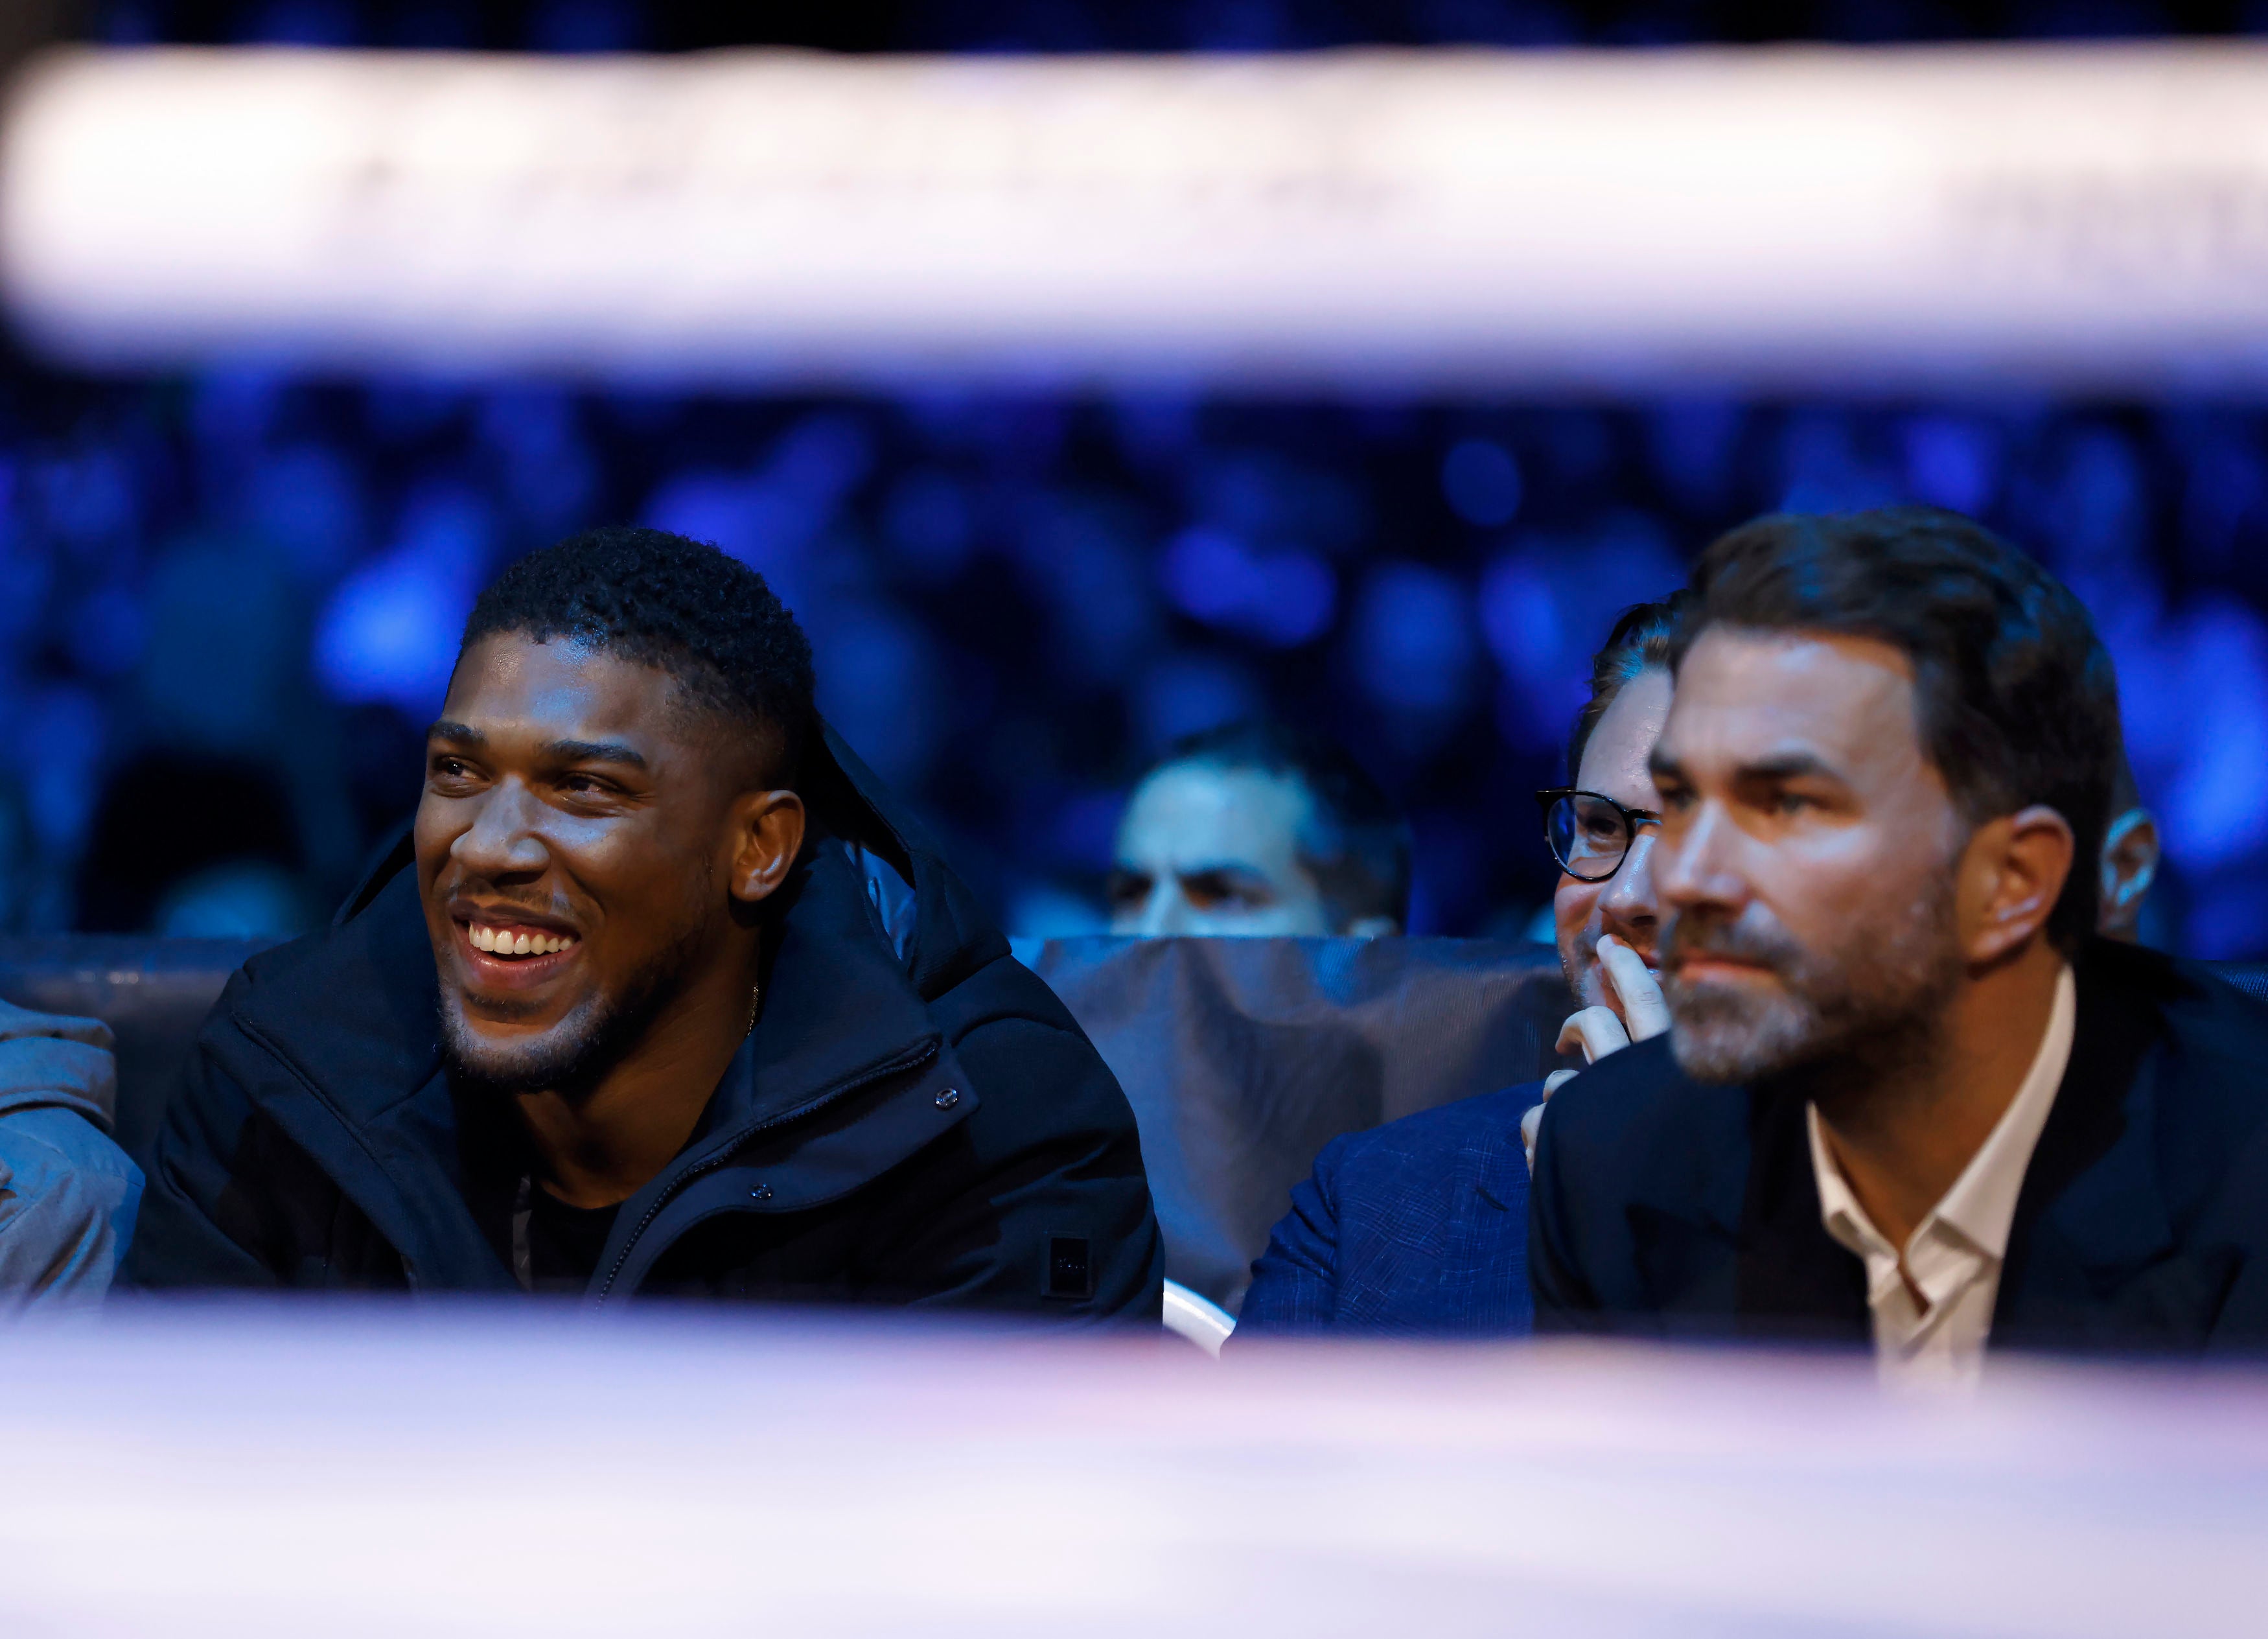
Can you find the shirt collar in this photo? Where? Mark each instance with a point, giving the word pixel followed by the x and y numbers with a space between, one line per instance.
pixel 1982 1203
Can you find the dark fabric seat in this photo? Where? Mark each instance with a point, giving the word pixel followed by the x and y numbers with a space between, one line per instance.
pixel 152 993
pixel 2251 978
pixel 1242 1058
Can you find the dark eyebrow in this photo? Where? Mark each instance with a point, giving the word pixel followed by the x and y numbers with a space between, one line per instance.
pixel 1784 765
pixel 594 751
pixel 1227 870
pixel 559 750
pixel 1787 765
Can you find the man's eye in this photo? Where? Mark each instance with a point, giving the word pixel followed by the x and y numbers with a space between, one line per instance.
pixel 1127 888
pixel 1214 893
pixel 1794 802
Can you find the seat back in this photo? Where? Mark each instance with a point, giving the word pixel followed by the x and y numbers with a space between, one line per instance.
pixel 1244 1057
pixel 152 993
pixel 2251 978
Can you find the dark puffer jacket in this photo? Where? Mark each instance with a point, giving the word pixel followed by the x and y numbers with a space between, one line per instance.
pixel 915 1118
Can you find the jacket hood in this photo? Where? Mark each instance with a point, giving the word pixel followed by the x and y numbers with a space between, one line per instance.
pixel 938 928
pixel 51 1061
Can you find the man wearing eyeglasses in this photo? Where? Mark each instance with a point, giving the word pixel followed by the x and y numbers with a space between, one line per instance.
pixel 1420 1226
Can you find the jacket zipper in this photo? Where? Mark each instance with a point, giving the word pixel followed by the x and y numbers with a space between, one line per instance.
pixel 905 1062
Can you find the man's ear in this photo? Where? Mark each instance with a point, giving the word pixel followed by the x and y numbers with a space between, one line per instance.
pixel 2130 865
pixel 2012 873
pixel 769 828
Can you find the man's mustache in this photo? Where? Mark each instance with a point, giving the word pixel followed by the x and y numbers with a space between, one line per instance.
pixel 1735 940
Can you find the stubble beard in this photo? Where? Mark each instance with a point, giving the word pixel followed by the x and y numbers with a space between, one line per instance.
pixel 574 1055
pixel 1866 1012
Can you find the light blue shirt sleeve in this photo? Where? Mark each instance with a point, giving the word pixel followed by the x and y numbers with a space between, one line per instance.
pixel 68 1200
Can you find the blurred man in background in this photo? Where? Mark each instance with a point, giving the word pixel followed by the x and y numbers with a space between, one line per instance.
pixel 624 1013
pixel 1259 827
pixel 1910 1093
pixel 1420 1226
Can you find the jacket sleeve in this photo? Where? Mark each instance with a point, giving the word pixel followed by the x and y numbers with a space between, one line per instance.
pixel 1037 1203
pixel 1564 1299
pixel 1295 1283
pixel 199 1225
pixel 2239 1226
pixel 68 1200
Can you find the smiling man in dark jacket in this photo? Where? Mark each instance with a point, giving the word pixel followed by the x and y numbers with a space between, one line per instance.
pixel 657 998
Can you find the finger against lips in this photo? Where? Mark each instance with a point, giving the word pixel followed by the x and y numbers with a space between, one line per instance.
pixel 1635 986
pixel 1596 1030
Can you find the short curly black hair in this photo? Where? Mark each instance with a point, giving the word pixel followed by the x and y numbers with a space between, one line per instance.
pixel 679 606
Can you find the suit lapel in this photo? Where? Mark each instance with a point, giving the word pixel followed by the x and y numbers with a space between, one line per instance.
pixel 1728 1226
pixel 1795 1281
pixel 2087 1249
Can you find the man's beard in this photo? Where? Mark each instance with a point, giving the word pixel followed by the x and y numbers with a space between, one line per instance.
pixel 1862 1013
pixel 1577 960
pixel 574 1055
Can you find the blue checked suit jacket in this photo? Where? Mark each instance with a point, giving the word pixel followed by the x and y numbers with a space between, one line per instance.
pixel 1415 1229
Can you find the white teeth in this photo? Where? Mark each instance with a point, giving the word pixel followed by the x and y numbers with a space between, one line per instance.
pixel 497 941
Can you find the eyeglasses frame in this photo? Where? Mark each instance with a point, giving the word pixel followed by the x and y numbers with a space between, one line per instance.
pixel 1634 820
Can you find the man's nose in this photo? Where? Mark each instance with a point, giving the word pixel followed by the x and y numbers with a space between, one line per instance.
pixel 1695 867
pixel 1631 899
pixel 501 840
pixel 1165 911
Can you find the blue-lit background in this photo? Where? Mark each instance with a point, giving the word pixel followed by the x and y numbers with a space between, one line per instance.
pixel 231 599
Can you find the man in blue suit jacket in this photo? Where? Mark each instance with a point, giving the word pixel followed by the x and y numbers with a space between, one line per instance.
pixel 1413 1228
pixel 1420 1226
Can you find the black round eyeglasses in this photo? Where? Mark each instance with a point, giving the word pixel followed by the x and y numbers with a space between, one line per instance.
pixel 1589 834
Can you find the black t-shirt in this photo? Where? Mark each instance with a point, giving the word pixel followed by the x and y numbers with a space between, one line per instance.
pixel 564 1242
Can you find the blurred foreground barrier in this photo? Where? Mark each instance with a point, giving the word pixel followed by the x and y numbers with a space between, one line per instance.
pixel 456 1472
pixel 1242 1057
pixel 2088 218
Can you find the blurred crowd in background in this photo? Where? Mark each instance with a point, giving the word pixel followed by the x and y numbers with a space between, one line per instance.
pixel 231 599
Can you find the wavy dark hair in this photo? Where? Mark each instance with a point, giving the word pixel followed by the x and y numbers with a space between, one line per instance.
pixel 1640 638
pixel 2017 701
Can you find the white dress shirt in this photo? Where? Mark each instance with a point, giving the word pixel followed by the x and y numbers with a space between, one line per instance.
pixel 1954 1255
